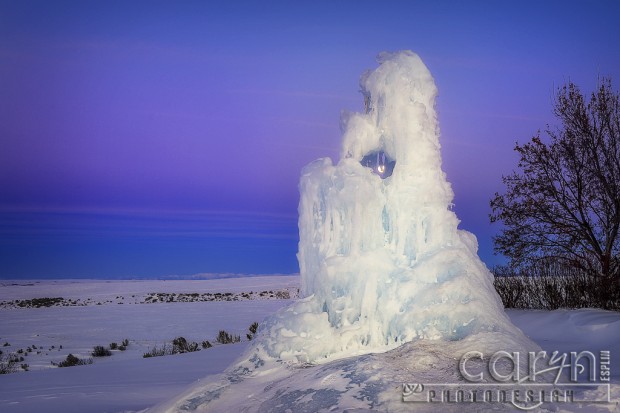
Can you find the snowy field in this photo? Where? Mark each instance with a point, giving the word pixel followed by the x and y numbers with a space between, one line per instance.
pixel 127 382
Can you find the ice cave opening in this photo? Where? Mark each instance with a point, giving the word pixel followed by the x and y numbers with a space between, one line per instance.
pixel 379 163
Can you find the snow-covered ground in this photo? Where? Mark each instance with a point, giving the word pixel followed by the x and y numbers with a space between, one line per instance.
pixel 128 382
pixel 125 381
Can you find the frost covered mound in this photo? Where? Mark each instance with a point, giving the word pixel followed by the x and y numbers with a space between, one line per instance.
pixel 384 269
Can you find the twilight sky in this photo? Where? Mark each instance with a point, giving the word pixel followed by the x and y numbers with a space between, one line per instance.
pixel 149 139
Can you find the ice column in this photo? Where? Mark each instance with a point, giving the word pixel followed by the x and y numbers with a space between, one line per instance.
pixel 381 258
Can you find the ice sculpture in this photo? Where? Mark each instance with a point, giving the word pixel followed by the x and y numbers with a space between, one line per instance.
pixel 393 290
pixel 381 258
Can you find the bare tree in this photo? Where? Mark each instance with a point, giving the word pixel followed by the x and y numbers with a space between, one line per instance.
pixel 563 202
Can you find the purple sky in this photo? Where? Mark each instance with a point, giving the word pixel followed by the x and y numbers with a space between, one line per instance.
pixel 157 138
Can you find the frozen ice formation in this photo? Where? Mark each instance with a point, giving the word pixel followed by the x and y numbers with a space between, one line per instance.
pixel 393 290
pixel 381 258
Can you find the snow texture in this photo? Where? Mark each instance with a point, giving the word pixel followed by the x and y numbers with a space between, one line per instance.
pixel 386 274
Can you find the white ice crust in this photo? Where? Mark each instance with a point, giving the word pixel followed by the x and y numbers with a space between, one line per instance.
pixel 382 261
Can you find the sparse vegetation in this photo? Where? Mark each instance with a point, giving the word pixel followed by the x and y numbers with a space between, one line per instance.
pixel 224 337
pixel 8 363
pixel 124 345
pixel 282 295
pixel 253 329
pixel 164 350
pixel 100 351
pixel 152 298
pixel 181 345
pixel 72 360
pixel 549 286
pixel 40 302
